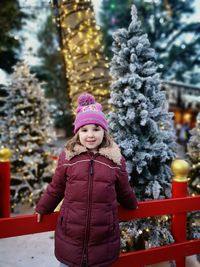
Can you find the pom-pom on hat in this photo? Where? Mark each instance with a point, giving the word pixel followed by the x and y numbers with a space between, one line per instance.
pixel 89 112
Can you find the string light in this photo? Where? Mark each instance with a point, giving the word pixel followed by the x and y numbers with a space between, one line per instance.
pixel 81 46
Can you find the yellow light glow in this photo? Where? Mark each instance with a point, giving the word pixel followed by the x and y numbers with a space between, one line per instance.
pixel 81 39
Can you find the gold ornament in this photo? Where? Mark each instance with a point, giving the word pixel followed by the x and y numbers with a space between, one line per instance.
pixel 5 155
pixel 180 169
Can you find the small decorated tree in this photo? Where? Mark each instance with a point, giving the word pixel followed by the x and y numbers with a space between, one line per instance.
pixel 194 178
pixel 4 93
pixel 30 136
pixel 143 128
pixel 194 155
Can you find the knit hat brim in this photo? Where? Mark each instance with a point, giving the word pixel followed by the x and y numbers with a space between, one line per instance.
pixel 90 117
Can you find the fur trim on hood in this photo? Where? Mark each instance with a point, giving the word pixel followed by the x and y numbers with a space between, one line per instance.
pixel 113 152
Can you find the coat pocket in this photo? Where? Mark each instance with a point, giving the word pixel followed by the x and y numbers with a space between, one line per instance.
pixel 63 221
pixel 112 222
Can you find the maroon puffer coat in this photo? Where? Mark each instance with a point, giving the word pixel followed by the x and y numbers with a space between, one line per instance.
pixel 87 231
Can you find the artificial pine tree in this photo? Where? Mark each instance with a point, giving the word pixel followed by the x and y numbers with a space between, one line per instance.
pixel 30 136
pixel 4 93
pixel 194 155
pixel 193 148
pixel 142 126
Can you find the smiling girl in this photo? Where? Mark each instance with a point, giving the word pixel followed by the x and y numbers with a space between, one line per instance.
pixel 91 177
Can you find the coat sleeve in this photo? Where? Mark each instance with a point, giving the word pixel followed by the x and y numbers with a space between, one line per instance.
pixel 125 194
pixel 55 190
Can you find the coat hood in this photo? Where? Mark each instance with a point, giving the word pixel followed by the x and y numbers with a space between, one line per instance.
pixel 112 152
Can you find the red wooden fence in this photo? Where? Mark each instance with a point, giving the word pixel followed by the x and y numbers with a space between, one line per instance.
pixel 22 225
pixel 177 207
pixel 5 182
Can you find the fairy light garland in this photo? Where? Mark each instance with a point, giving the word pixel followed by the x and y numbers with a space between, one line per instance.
pixel 86 66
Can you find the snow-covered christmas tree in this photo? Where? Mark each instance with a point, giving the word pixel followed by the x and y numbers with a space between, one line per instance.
pixel 194 178
pixel 4 93
pixel 194 155
pixel 30 136
pixel 142 126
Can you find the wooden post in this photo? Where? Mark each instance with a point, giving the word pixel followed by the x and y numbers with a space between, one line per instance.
pixel 5 155
pixel 180 169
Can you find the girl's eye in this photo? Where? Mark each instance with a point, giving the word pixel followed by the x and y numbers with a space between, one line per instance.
pixel 96 128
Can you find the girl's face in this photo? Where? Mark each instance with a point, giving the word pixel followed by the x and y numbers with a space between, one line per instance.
pixel 91 136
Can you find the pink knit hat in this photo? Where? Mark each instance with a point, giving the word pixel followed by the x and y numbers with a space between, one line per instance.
pixel 89 112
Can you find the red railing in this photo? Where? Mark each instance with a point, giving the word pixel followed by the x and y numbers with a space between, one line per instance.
pixel 177 207
pixel 5 182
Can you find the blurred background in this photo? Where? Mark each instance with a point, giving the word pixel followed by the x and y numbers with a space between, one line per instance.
pixel 31 32
pixel 51 51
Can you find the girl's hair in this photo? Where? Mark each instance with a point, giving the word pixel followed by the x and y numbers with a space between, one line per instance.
pixel 107 141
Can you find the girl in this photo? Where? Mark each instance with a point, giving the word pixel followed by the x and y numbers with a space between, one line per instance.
pixel 92 178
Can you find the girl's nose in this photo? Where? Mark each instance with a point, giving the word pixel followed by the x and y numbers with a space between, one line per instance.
pixel 90 133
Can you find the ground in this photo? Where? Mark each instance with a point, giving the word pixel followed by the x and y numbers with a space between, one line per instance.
pixel 35 250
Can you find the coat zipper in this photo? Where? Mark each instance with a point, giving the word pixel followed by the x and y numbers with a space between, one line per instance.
pixel 91 167
pixel 90 185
